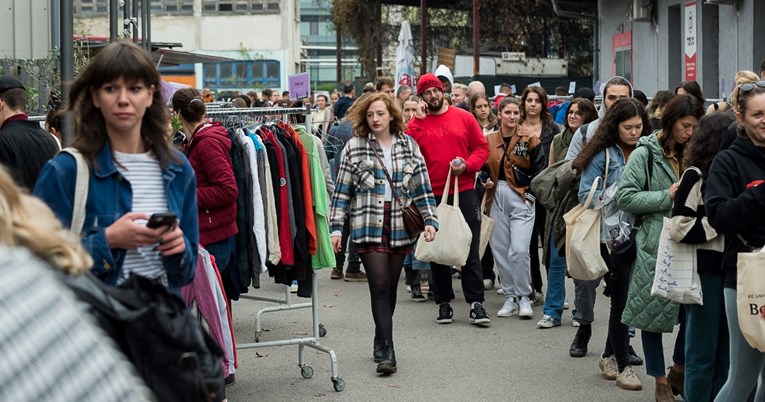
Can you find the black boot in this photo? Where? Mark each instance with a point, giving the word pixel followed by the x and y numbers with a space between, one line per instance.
pixel 388 363
pixel 581 339
pixel 377 351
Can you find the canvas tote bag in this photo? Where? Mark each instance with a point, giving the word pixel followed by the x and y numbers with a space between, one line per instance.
pixel 750 298
pixel 487 226
pixel 676 278
pixel 583 240
pixel 452 243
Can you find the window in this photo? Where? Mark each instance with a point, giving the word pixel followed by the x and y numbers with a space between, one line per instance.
pixel 172 7
pixel 91 7
pixel 240 6
pixel 242 74
pixel 621 55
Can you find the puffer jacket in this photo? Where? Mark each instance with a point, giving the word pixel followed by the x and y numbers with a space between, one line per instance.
pixel 643 311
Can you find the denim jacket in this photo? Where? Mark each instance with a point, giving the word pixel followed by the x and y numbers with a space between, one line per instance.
pixel 109 198
pixel 597 168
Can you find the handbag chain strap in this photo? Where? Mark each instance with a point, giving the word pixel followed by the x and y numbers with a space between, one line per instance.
pixel 387 175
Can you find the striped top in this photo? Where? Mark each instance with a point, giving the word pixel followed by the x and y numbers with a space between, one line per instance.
pixel 144 174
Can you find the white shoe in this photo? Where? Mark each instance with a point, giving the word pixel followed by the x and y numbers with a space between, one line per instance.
pixel 524 307
pixel 565 305
pixel 509 309
pixel 488 284
pixel 574 323
pixel 500 291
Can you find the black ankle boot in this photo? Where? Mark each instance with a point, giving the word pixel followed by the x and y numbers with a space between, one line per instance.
pixel 581 339
pixel 377 351
pixel 388 363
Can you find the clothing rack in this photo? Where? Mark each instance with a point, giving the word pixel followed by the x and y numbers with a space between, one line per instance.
pixel 286 304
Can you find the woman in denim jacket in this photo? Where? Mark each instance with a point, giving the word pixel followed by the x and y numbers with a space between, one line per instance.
pixel 134 172
pixel 624 123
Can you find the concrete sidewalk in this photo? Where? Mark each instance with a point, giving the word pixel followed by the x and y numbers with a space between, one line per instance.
pixel 508 360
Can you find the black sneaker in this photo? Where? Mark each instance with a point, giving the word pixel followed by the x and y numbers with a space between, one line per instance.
pixel 417 294
pixel 635 360
pixel 445 314
pixel 478 314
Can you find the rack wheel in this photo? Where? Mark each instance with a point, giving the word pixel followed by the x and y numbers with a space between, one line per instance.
pixel 322 331
pixel 338 384
pixel 306 371
pixel 257 336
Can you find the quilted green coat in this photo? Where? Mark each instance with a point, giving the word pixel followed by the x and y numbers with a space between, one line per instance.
pixel 643 311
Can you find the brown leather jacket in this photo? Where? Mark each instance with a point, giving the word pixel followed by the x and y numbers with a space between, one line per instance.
pixel 524 153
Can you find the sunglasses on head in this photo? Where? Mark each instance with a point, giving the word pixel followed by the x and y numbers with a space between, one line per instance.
pixel 750 86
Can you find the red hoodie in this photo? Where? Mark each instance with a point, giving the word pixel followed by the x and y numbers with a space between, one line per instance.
pixel 443 137
pixel 209 152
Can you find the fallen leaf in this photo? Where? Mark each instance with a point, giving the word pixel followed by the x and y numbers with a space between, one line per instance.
pixel 320 394
pixel 392 385
pixel 258 354
pixel 329 305
pixel 301 333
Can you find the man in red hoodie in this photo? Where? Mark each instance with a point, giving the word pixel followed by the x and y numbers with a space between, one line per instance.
pixel 451 139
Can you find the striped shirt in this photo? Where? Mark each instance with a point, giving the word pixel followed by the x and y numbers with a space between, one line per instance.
pixel 144 174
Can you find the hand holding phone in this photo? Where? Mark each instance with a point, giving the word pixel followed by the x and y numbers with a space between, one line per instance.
pixel 161 219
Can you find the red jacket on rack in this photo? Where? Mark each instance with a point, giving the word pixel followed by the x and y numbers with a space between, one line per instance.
pixel 209 151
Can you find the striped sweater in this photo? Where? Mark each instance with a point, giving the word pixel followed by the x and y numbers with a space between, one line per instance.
pixel 691 226
pixel 360 190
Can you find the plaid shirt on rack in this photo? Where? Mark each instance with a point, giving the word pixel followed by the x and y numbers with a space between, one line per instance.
pixel 360 190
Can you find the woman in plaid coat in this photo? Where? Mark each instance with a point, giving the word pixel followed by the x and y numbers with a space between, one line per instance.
pixel 377 226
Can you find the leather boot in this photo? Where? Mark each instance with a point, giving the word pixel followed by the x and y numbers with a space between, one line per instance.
pixel 676 381
pixel 377 351
pixel 388 363
pixel 581 339
pixel 664 393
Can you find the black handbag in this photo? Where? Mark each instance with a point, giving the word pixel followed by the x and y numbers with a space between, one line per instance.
pixel 414 223
pixel 176 358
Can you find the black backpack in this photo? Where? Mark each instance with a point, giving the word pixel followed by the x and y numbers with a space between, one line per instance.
pixel 176 358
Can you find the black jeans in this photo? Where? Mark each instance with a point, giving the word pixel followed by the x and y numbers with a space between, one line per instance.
pixel 618 340
pixel 472 276
pixel 354 262
pixel 536 237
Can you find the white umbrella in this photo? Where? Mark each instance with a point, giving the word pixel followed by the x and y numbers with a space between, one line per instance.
pixel 405 57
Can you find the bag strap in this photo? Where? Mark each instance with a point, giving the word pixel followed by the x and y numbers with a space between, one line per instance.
pixel 639 219
pixel 592 192
pixel 387 175
pixel 608 160
pixel 80 190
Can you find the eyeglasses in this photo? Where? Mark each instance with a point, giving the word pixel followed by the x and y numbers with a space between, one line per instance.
pixel 750 86
pixel 574 113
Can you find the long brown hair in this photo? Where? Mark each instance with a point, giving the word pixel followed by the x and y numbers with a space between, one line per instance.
pixel 124 60
pixel 544 114
pixel 358 114
pixel 678 107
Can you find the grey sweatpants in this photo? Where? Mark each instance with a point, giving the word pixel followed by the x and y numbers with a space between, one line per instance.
pixel 513 223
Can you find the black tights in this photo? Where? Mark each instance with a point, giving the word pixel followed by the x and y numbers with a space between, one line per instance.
pixel 383 272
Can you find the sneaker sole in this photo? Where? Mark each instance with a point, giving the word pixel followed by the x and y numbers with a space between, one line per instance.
pixel 602 365
pixel 526 316
pixel 386 369
pixel 355 280
pixel 444 321
pixel 546 325
pixel 419 299
pixel 510 314
pixel 479 321
pixel 629 387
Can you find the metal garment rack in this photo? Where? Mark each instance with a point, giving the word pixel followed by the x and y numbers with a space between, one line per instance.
pixel 286 304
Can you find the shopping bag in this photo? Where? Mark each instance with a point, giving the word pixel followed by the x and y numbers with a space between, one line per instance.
pixel 452 243
pixel 487 226
pixel 583 257
pixel 676 278
pixel 750 298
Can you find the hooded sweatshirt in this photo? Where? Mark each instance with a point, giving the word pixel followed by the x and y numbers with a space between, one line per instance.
pixel 580 139
pixel 735 201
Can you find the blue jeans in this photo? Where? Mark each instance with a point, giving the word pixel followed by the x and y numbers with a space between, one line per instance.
pixel 654 351
pixel 706 342
pixel 746 362
pixel 556 281
pixel 222 251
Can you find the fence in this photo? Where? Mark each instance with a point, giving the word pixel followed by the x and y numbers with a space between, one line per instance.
pixel 37 91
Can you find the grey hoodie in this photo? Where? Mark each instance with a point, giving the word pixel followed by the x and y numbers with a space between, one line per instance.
pixel 579 140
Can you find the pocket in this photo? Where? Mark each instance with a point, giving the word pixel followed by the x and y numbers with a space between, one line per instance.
pixel 365 176
pixel 408 172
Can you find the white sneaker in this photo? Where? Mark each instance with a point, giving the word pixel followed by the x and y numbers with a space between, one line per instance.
pixel 488 284
pixel 500 291
pixel 565 305
pixel 524 307
pixel 509 309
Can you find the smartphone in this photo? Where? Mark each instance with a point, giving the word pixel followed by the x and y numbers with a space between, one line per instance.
pixel 161 219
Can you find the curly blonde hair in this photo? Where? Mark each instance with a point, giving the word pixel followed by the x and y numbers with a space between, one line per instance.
pixel 27 222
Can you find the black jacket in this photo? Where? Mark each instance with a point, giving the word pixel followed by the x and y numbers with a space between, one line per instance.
pixel 24 149
pixel 735 201
pixel 342 106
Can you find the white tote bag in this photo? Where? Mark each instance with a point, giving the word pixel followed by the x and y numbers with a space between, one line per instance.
pixel 487 226
pixel 583 240
pixel 452 243
pixel 676 278
pixel 750 301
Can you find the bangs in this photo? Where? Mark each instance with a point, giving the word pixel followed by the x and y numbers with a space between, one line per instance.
pixel 123 60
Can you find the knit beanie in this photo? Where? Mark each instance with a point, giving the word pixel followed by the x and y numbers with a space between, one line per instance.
pixel 428 81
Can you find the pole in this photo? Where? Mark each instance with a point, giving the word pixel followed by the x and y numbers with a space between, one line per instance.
pixel 67 65
pixel 144 13
pixel 114 17
pixel 476 39
pixel 133 17
pixel 423 36
pixel 55 23
pixel 378 33
pixel 339 52
pixel 147 22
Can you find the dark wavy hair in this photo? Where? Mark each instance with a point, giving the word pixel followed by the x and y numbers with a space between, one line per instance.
pixel 358 114
pixel 691 88
pixel 586 109
pixel 117 60
pixel 678 107
pixel 659 100
pixel 705 142
pixel 184 103
pixel 544 114
pixel 608 131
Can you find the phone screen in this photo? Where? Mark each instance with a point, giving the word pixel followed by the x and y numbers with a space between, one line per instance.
pixel 161 219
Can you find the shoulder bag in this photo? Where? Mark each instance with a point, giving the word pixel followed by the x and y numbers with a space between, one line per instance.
pixel 413 220
pixel 625 253
pixel 749 297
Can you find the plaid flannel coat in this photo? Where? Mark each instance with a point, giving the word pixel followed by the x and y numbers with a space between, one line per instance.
pixel 360 190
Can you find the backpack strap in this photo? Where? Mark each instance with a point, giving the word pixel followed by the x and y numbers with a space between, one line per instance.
pixel 583 129
pixel 80 190
pixel 639 218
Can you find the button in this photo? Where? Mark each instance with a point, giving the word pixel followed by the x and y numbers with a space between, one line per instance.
pixel 107 266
